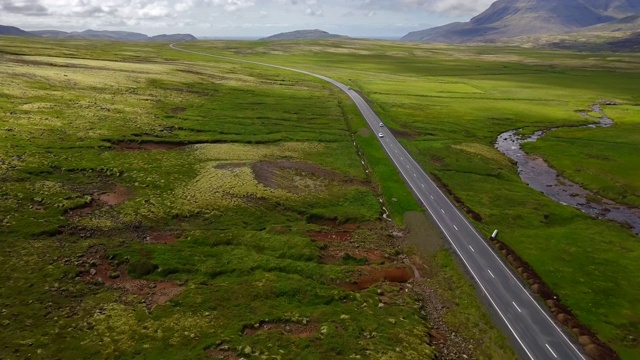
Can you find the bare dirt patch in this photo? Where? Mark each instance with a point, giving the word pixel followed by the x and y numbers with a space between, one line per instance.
pixel 222 352
pixel 178 110
pixel 293 329
pixel 369 276
pixel 95 269
pixel 283 175
pixel 148 146
pixel 404 134
pixel 117 196
pixel 160 238
pixel 331 236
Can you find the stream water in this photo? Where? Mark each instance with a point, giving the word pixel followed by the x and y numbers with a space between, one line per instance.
pixel 539 175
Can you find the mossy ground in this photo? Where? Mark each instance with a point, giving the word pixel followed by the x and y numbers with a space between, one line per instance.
pixel 448 104
pixel 81 205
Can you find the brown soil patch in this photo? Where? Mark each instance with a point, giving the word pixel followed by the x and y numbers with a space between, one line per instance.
pixel 404 134
pixel 294 329
pixel 369 276
pixel 281 175
pixel 160 238
pixel 119 195
pixel 437 161
pixel 331 236
pixel 149 146
pixel 178 110
pixel 595 348
pixel 349 227
pixel 96 269
pixel 222 352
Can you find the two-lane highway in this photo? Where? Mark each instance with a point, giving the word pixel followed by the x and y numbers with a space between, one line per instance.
pixel 530 326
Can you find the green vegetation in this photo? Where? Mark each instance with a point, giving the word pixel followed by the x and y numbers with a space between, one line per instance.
pixel 605 160
pixel 163 204
pixel 160 207
pixel 448 104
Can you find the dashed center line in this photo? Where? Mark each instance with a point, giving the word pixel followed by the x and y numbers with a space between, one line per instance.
pixel 514 304
pixel 432 196
pixel 552 353
pixel 471 248
pixel 490 273
pixel 442 211
pixel 455 227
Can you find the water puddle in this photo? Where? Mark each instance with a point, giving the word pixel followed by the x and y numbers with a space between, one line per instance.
pixel 539 175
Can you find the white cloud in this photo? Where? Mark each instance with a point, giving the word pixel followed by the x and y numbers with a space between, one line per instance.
pixel 237 17
pixel 446 7
pixel 233 5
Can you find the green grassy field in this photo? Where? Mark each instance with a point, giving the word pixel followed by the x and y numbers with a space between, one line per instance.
pixel 586 156
pixel 161 205
pixel 448 104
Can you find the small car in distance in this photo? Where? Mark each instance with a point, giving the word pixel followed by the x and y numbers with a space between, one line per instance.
pixel 380 135
pixel 381 125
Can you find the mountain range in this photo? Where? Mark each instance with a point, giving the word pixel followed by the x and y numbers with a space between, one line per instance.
pixel 304 35
pixel 513 18
pixel 94 34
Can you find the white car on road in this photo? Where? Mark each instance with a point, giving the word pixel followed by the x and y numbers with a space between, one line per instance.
pixel 381 135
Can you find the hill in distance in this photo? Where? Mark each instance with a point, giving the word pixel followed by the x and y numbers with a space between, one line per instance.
pixel 513 18
pixel 95 34
pixel 14 31
pixel 112 35
pixel 304 35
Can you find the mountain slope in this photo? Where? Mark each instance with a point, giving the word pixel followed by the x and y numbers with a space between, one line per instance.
pixel 304 35
pixel 111 35
pixel 173 37
pixel 12 30
pixel 511 18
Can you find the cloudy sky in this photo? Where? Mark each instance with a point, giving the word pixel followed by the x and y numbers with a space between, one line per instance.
pixel 239 18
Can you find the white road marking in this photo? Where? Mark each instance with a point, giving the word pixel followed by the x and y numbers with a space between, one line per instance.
pixel 490 273
pixel 442 211
pixel 422 185
pixel 471 248
pixel 552 353
pixel 455 227
pixel 514 304
pixel 415 175
pixel 432 196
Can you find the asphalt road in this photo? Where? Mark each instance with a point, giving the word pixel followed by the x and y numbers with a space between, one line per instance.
pixel 530 325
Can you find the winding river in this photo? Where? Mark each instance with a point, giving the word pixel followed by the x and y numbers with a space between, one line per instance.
pixel 539 175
